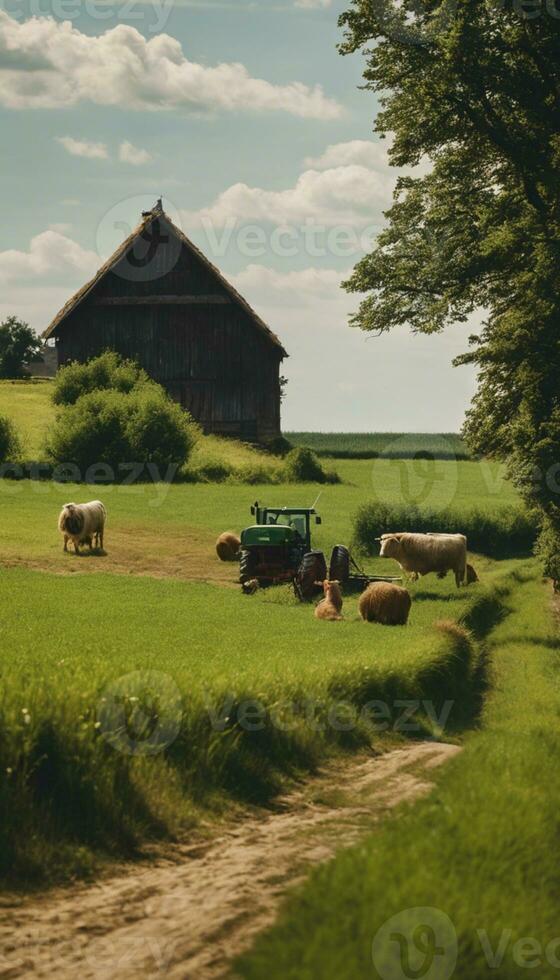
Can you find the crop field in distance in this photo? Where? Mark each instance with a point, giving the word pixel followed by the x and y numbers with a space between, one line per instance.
pixel 388 445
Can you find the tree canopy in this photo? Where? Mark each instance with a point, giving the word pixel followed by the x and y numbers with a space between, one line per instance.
pixel 18 347
pixel 470 91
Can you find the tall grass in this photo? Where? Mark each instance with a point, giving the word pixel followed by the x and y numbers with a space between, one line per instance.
pixel 509 531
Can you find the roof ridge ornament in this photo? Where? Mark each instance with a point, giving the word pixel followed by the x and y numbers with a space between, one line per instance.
pixel 157 209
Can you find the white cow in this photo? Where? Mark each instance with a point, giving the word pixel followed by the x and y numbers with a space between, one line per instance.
pixel 425 553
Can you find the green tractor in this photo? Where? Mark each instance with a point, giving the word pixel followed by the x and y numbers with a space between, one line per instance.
pixel 277 548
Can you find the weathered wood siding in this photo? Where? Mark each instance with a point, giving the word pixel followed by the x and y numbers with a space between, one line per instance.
pixel 208 353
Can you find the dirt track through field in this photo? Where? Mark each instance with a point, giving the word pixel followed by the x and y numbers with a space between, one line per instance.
pixel 188 914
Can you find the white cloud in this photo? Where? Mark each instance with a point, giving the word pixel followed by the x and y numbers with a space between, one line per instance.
pixel 50 253
pixel 128 153
pixel 350 184
pixel 62 227
pixel 364 153
pixel 342 195
pixel 312 4
pixel 301 287
pixel 83 148
pixel 49 64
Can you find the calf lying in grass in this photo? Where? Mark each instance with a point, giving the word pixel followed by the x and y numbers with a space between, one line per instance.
pixel 330 607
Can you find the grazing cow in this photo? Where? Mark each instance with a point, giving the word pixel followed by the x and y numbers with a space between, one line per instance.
pixel 425 553
pixel 330 607
pixel 386 603
pixel 83 524
pixel 227 546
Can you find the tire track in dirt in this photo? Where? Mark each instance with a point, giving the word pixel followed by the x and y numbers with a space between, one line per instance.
pixel 187 914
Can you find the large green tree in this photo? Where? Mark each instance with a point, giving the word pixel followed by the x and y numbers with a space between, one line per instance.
pixel 471 89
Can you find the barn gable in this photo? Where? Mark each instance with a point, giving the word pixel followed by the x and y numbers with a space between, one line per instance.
pixel 159 300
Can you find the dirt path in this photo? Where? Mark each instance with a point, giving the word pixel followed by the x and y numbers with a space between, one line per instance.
pixel 188 915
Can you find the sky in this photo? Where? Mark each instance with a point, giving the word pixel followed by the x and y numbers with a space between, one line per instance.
pixel 247 121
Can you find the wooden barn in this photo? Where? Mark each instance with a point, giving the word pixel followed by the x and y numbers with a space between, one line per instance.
pixel 160 301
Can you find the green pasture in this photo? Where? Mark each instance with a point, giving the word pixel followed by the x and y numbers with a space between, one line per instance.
pixel 480 849
pixel 28 405
pixel 190 653
pixel 30 508
pixel 158 624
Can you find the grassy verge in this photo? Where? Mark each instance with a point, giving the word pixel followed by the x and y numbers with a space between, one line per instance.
pixel 480 849
pixel 232 694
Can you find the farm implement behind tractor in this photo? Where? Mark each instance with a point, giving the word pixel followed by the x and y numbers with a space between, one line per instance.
pixel 277 548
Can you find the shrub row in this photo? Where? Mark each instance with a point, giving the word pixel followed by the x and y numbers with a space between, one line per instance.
pixel 505 532
pixel 299 466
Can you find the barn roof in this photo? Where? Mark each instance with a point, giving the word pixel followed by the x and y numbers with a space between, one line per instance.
pixel 157 213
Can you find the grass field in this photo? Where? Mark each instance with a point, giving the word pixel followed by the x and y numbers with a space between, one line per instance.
pixel 70 635
pixel 29 406
pixel 168 653
pixel 388 445
pixel 478 850
pixel 157 642
pixel 163 529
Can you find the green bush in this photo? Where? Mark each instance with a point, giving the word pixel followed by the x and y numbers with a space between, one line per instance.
pixel 303 466
pixel 115 430
pixel 548 549
pixel 508 531
pixel 10 445
pixel 109 370
pixel 279 446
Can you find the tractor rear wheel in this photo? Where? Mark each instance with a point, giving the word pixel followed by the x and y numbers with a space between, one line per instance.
pixel 247 566
pixel 339 568
pixel 311 574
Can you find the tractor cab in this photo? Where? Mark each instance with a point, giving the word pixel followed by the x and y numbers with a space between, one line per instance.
pixel 297 519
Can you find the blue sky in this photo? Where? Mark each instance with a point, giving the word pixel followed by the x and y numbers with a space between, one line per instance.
pixel 252 127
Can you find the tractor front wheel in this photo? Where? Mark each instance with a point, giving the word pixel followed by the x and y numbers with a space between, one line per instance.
pixel 311 574
pixel 247 566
